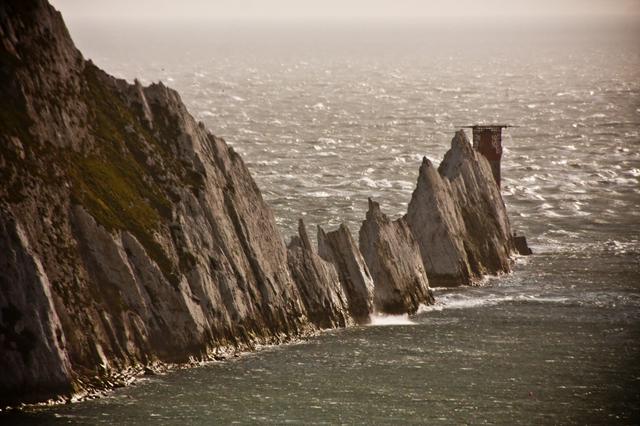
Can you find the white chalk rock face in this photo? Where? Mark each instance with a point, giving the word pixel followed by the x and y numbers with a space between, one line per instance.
pixel 339 248
pixel 30 329
pixel 317 280
pixel 393 258
pixel 459 219
pixel 488 232
pixel 437 224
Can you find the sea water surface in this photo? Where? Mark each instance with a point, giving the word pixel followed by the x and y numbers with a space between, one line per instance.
pixel 326 116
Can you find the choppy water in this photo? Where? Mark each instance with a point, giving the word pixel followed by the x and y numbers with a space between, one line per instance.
pixel 326 117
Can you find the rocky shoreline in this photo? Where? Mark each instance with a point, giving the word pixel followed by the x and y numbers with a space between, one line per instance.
pixel 95 387
pixel 131 236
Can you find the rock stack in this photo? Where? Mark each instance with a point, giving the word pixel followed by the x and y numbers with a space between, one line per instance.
pixel 488 233
pixel 317 280
pixel 339 248
pixel 393 257
pixel 436 222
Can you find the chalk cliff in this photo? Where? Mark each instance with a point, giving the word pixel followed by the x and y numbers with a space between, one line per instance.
pixel 129 233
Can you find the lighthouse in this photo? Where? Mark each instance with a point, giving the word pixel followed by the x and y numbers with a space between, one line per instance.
pixel 487 140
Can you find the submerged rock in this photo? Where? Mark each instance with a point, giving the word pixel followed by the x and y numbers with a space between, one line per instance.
pixel 339 248
pixel 393 258
pixel 317 280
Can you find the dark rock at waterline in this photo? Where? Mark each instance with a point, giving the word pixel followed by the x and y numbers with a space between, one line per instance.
pixel 393 258
pixel 318 283
pixel 149 371
pixel 339 248
pixel 521 245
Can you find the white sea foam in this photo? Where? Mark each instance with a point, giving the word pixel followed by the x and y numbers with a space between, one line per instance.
pixel 381 319
pixel 404 185
pixel 460 301
pixel 382 183
pixel 327 141
pixel 267 163
pixel 319 194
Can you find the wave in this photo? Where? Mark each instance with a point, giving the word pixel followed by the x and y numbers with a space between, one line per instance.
pixel 460 301
pixel 567 242
pixel 382 183
pixel 384 320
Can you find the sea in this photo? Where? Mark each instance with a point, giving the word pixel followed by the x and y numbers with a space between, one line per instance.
pixel 328 114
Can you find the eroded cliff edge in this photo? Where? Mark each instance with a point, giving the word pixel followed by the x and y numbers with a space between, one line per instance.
pixel 129 234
